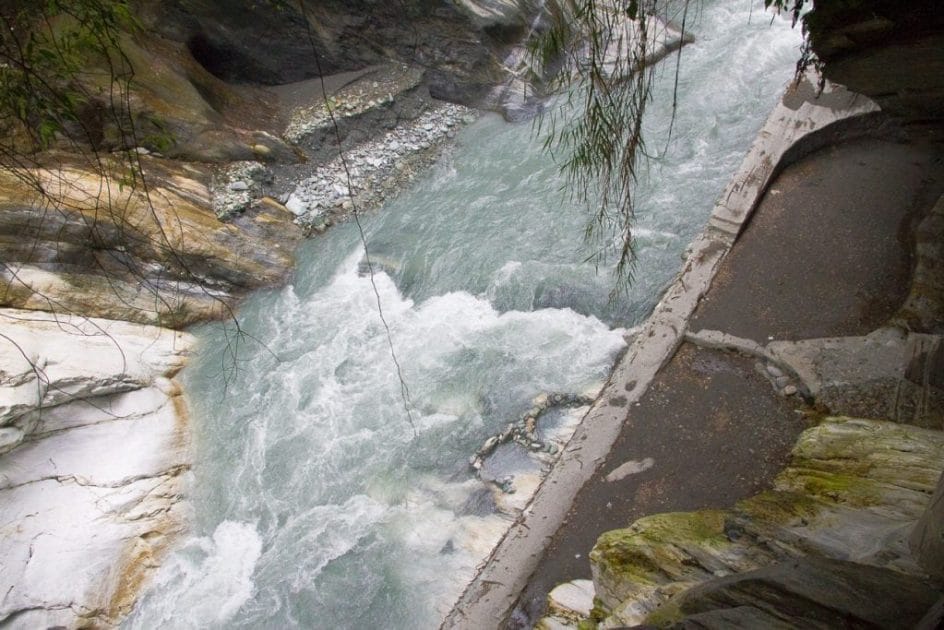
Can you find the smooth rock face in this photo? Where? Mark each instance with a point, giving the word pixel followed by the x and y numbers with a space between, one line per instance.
pixel 574 597
pixel 806 593
pixel 853 492
pixel 48 360
pixel 91 491
pixel 238 41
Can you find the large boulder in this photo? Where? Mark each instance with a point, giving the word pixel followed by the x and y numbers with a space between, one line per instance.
pixel 853 491
pixel 804 593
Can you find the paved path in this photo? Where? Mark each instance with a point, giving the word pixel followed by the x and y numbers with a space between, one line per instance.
pixel 825 253
pixel 828 251
pixel 715 431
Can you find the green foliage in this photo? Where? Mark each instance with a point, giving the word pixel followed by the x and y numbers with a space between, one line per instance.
pixel 601 52
pixel 46 50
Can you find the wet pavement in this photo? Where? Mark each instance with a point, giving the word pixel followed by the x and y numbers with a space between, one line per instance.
pixel 826 253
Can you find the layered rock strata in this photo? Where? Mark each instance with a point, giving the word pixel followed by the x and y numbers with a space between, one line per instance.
pixel 158 255
pixel 95 437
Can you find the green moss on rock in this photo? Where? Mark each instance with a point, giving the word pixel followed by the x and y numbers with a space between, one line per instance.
pixel 849 480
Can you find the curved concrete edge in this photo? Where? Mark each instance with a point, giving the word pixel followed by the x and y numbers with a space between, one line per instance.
pixel 802 114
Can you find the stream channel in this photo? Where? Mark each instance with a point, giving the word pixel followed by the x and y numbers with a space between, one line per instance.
pixel 314 504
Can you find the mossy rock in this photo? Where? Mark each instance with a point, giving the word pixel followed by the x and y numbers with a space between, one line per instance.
pixel 655 550
pixel 852 488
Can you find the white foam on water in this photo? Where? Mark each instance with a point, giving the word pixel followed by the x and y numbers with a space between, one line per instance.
pixel 205 583
pixel 323 460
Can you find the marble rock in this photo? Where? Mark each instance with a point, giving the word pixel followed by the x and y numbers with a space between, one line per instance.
pixel 853 491
pixel 92 491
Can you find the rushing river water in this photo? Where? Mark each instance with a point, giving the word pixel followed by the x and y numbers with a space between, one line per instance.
pixel 314 504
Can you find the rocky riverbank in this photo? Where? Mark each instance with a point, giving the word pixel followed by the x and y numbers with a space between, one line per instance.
pixel 94 436
pixel 237 158
pixel 95 441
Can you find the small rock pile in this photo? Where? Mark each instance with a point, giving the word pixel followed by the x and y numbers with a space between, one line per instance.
pixel 236 185
pixel 353 100
pixel 376 169
pixel 524 431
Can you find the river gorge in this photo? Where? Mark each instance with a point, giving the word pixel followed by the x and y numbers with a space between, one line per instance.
pixel 309 484
pixel 419 329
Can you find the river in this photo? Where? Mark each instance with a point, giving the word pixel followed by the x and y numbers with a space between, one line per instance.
pixel 316 505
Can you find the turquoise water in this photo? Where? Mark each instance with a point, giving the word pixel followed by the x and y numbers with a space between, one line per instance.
pixel 315 506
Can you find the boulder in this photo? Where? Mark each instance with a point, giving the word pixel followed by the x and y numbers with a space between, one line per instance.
pixel 886 50
pixel 568 605
pixel 803 593
pixel 853 491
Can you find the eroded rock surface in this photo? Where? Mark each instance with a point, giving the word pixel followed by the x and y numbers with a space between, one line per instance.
pixel 160 256
pixel 92 481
